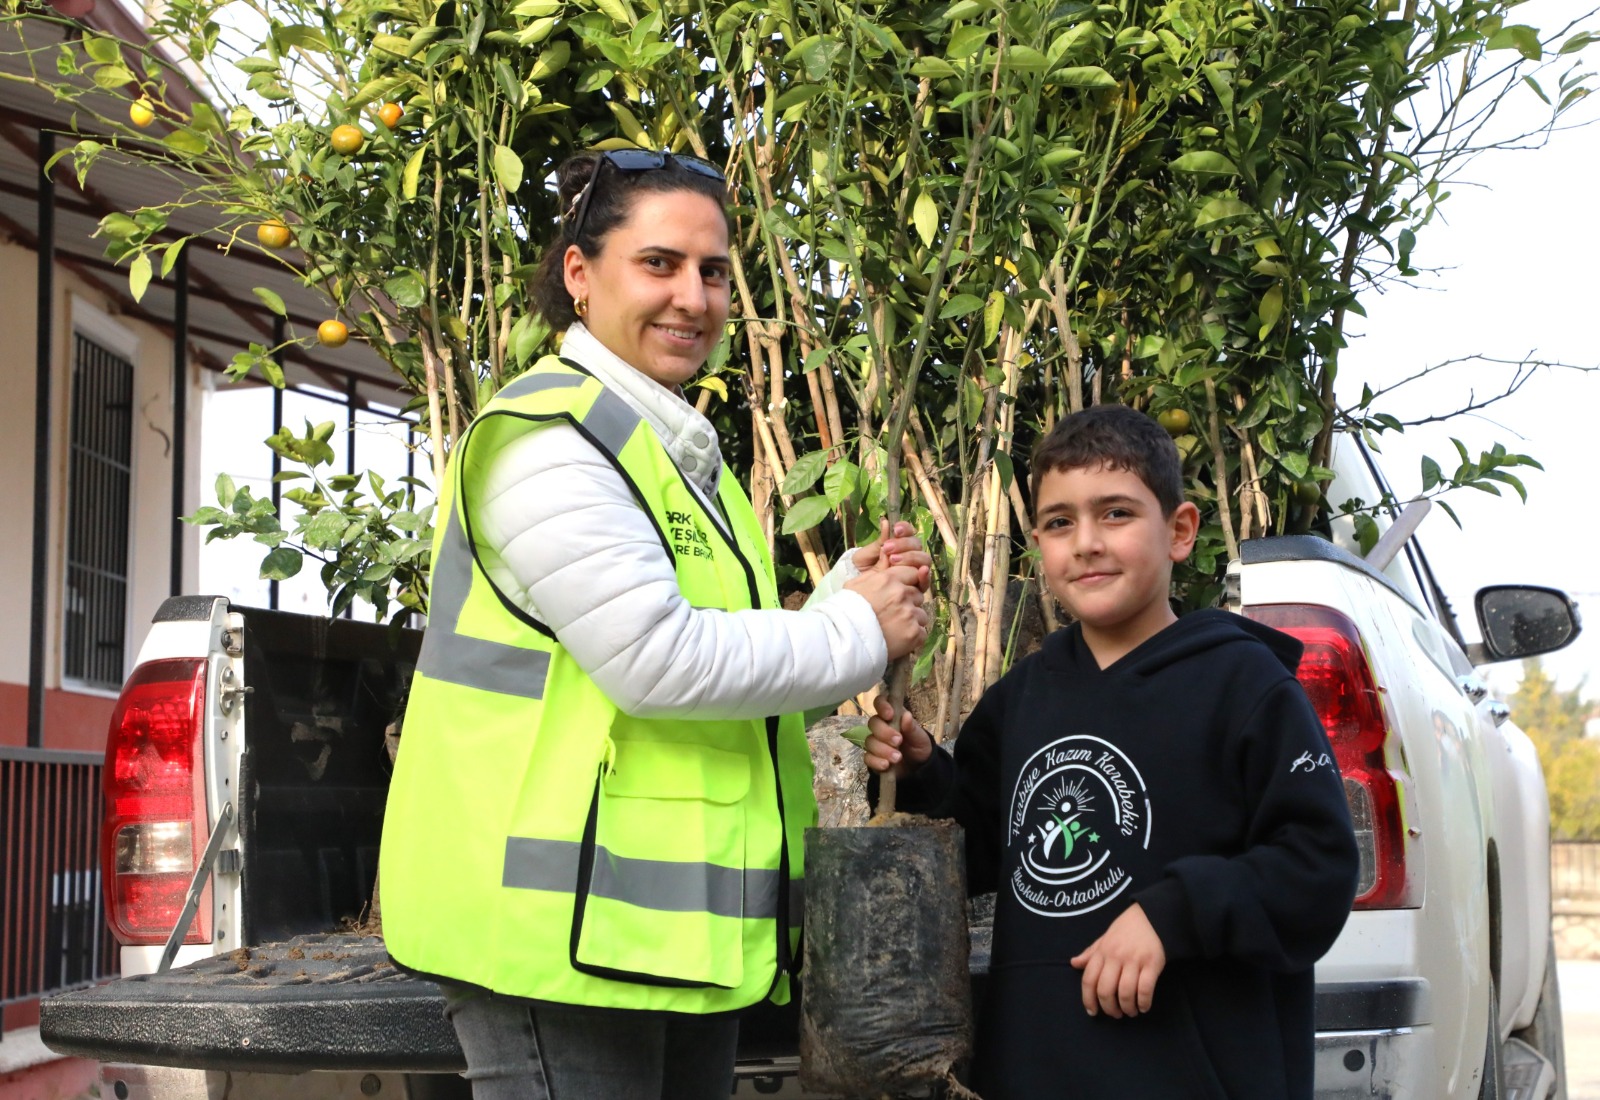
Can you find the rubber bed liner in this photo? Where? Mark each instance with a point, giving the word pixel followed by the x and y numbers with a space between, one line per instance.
pixel 320 1002
pixel 331 1001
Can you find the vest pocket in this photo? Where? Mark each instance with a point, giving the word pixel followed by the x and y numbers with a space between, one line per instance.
pixel 661 883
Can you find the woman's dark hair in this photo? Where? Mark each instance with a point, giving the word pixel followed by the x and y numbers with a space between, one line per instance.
pixel 609 206
pixel 1117 437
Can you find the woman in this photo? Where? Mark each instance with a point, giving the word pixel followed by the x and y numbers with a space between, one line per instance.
pixel 593 837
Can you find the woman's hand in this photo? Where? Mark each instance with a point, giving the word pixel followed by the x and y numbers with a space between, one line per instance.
pixel 904 750
pixel 902 546
pixel 895 593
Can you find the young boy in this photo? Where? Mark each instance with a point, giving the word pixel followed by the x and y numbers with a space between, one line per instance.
pixel 1155 803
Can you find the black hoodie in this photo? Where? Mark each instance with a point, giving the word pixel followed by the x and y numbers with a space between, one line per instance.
pixel 1193 777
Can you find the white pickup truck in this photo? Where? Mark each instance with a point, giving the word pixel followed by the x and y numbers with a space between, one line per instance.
pixel 246 774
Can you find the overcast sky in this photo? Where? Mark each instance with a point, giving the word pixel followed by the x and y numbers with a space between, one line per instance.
pixel 1518 255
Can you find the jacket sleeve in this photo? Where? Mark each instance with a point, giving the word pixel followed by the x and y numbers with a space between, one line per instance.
pixel 562 536
pixel 963 782
pixel 1282 901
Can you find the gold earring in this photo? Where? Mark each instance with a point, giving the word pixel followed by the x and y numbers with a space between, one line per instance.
pixel 580 306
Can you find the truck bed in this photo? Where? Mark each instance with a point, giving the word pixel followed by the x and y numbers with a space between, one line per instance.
pixel 331 1001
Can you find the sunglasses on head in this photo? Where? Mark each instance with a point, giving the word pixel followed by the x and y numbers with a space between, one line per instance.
pixel 637 160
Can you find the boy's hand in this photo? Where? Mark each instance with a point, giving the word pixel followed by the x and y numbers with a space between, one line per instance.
pixel 1121 967
pixel 901 546
pixel 904 750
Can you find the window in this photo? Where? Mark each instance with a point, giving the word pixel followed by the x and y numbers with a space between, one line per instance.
pixel 99 487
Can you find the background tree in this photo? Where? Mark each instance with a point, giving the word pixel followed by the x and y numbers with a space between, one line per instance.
pixel 964 219
pixel 1554 720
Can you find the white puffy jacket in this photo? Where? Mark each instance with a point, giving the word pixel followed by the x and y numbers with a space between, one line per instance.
pixel 562 535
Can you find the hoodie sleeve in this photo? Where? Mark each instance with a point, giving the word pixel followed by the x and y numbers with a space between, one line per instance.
pixel 963 784
pixel 1283 900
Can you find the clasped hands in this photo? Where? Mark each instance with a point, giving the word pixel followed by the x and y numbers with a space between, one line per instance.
pixel 894 578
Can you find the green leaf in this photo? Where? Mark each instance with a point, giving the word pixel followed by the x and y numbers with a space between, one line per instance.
pixel 1002 463
pixel 1579 41
pixel 1297 464
pixel 925 215
pixel 618 10
pixel 406 288
pixel 281 564
pixel 806 514
pixel 413 170
pixel 1431 474
pixel 962 305
pixel 104 51
pixel 118 227
pixel 966 41
pixel 507 168
pixel 1205 162
pixel 113 77
pixel 169 255
pixel 226 490
pixel 839 483
pixel 964 9
pixel 1082 76
pixel 325 530
pixel 273 301
pixel 1219 209
pixel 934 68
pixel 186 141
pixel 817 358
pixel 628 122
pixel 1024 59
pixel 1271 309
pixel 804 473
pixel 994 310
pixel 1525 40
pixel 139 275
pixel 551 61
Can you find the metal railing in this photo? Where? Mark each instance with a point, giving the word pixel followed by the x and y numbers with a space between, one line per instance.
pixel 53 932
pixel 1575 873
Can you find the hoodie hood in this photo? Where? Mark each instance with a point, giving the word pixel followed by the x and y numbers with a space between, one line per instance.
pixel 1199 632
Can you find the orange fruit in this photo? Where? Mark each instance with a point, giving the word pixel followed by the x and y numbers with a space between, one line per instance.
pixel 1176 421
pixel 390 114
pixel 332 334
pixel 272 234
pixel 140 113
pixel 346 139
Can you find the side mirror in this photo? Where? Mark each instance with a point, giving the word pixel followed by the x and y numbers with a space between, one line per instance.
pixel 1521 620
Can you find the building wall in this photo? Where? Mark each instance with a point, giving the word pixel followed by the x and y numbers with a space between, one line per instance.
pixel 76 717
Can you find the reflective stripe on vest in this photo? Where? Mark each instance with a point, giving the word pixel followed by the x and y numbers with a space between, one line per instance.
pixel 461 659
pixel 534 864
pixel 457 658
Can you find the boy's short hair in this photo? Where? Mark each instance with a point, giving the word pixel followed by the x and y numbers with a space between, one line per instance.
pixel 1119 437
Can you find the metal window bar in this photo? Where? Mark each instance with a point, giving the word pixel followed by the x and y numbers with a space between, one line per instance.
pixel 53 935
pixel 99 496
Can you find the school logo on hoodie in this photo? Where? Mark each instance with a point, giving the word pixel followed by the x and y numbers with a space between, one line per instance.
pixel 1078 807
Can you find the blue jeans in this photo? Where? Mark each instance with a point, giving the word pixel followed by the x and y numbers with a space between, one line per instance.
pixel 521 1051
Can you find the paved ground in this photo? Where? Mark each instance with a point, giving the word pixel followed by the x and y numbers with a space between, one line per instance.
pixel 1580 1018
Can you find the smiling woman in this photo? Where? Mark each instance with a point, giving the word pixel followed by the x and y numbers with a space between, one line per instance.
pixel 657 292
pixel 607 707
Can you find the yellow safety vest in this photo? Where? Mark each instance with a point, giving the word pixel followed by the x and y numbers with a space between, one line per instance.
pixel 541 843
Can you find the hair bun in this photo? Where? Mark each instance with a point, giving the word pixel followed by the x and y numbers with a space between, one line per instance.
pixel 576 172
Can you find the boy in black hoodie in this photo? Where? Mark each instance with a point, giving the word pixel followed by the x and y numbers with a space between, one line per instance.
pixel 1155 803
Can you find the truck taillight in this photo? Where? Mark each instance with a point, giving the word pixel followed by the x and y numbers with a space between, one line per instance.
pixel 155 806
pixel 1338 680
